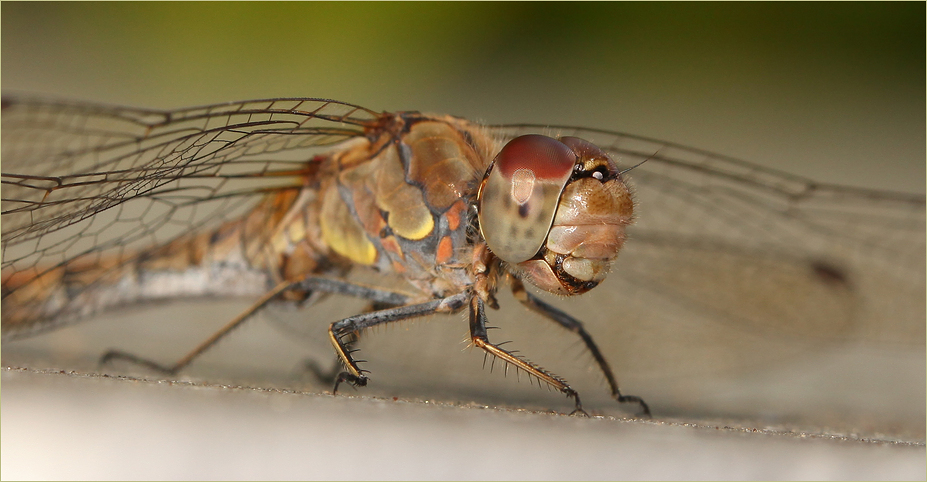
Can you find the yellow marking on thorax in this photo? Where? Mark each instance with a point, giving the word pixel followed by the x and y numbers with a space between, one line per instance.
pixel 341 232
pixel 409 217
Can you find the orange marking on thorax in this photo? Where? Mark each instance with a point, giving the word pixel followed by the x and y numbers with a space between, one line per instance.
pixel 453 215
pixel 445 250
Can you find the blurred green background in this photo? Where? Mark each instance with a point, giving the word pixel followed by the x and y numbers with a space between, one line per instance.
pixel 834 91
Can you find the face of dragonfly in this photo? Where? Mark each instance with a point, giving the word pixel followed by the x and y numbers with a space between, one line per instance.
pixel 556 211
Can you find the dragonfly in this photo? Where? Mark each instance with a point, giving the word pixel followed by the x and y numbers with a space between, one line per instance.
pixel 282 200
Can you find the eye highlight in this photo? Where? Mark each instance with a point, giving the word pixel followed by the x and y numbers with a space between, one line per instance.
pixel 522 185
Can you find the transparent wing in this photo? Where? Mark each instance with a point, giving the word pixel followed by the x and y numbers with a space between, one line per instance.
pixel 79 178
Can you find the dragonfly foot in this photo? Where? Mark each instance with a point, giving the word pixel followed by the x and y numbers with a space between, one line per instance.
pixel 354 380
pixel 111 355
pixel 645 410
pixel 579 405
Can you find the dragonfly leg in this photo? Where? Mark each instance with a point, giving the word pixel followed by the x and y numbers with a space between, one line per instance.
pixel 307 285
pixel 327 376
pixel 205 345
pixel 479 338
pixel 576 326
pixel 341 332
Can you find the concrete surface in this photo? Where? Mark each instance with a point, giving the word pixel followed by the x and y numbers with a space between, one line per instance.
pixel 816 411
pixel 61 425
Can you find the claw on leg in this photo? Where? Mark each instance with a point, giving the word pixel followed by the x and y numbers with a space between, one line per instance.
pixel 355 381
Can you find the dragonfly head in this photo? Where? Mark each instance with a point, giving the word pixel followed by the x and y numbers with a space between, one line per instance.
pixel 555 210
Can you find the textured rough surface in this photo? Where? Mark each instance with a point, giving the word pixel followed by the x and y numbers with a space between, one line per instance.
pixel 61 425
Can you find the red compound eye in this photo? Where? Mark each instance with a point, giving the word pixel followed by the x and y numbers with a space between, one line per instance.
pixel 549 159
pixel 518 199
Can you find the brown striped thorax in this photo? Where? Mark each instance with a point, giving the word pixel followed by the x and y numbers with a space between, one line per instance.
pixel 400 203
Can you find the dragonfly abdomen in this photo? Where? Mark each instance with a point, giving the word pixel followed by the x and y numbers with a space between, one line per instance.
pixel 38 300
pixel 240 258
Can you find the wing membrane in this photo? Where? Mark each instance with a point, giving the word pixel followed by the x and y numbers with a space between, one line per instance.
pixel 764 251
pixel 81 177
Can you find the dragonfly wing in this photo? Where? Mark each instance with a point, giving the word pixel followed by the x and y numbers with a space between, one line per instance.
pixel 81 178
pixel 725 253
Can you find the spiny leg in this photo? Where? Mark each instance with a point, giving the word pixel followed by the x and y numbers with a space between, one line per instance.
pixel 308 285
pixel 576 326
pixel 330 374
pixel 479 338
pixel 350 326
pixel 326 376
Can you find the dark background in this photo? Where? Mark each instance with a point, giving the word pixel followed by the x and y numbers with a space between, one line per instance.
pixel 834 91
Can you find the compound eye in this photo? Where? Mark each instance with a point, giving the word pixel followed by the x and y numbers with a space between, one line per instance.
pixel 519 195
